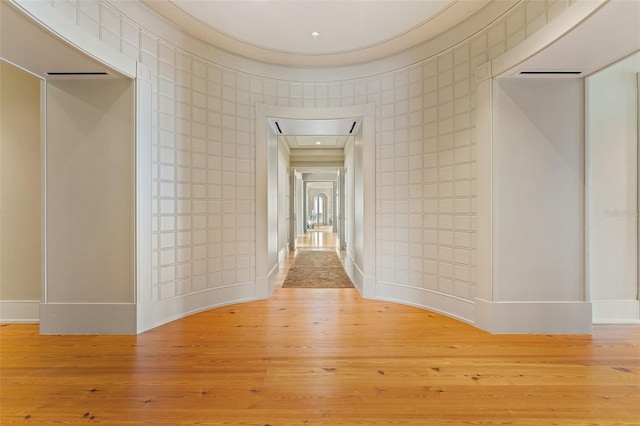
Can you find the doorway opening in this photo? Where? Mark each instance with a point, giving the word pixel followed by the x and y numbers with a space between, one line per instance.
pixel 320 208
pixel 315 153
pixel 352 201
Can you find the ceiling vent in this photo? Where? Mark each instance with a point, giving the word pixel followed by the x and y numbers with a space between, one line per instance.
pixel 550 72
pixel 58 74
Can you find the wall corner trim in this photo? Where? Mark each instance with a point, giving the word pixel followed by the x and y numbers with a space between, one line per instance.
pixel 523 317
pixel 88 318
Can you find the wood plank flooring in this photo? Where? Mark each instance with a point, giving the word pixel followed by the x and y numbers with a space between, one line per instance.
pixel 320 357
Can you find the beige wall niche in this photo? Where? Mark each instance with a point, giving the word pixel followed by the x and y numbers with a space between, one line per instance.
pixel 89 191
pixel 89 215
pixel 21 186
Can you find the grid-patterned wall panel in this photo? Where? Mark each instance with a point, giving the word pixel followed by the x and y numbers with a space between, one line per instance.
pixel 204 154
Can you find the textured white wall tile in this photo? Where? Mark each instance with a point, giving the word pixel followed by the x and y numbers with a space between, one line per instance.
pixel 205 154
pixel 110 38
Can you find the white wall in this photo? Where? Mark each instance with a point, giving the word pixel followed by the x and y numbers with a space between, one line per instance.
pixel 358 198
pixel 205 156
pixel 537 210
pixel 538 190
pixel 349 200
pixel 20 195
pixel 612 143
pixel 284 205
pixel 354 270
pixel 89 213
pixel 300 219
pixel 272 197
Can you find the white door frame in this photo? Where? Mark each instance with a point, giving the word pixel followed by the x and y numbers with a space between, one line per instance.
pixel 265 271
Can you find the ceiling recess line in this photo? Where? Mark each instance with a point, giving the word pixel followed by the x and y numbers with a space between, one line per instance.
pixel 550 72
pixel 78 73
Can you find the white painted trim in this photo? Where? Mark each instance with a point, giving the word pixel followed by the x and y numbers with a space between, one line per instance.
pixel 355 274
pixel 587 192
pixel 272 279
pixel 616 311
pixel 166 311
pixel 445 304
pixel 638 184
pixel 369 203
pixel 484 180
pixel 19 311
pixel 144 85
pixel 283 253
pixel 43 188
pixel 262 286
pixel 88 318
pixel 263 269
pixel 50 19
pixel 533 317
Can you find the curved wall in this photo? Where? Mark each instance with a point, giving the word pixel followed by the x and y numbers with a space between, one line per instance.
pixel 204 193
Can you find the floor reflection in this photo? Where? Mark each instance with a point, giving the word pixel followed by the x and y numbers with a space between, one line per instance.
pixel 321 237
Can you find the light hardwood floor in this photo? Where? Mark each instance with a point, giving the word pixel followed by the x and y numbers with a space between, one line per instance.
pixel 320 238
pixel 320 357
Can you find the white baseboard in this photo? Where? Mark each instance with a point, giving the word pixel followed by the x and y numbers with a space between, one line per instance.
pixel 451 306
pixel 355 274
pixel 159 313
pixel 534 317
pixel 283 253
pixel 616 311
pixel 87 318
pixel 272 279
pixel 20 311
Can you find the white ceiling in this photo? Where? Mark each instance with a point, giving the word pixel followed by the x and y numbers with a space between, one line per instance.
pixel 343 126
pixel 314 142
pixel 351 31
pixel 316 134
pixel 286 26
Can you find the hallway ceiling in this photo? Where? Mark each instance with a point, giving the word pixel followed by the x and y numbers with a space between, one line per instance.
pixel 316 134
pixel 349 31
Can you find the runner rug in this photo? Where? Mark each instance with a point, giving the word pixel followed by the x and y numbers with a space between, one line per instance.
pixel 317 269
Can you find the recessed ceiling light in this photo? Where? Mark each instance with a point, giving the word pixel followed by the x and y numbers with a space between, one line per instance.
pixel 315 35
pixel 318 143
